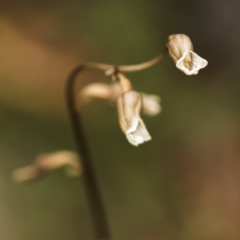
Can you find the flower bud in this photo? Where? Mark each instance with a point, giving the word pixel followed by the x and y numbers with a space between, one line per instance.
pixel 180 48
pixel 129 107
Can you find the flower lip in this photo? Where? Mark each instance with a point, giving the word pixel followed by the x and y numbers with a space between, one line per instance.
pixel 190 63
pixel 180 49
pixel 138 135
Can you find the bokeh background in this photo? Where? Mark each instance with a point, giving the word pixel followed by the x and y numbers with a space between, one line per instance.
pixel 182 185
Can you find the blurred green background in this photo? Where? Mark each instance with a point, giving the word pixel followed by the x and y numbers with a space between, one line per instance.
pixel 182 185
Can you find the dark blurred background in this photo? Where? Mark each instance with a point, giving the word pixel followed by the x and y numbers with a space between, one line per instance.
pixel 182 185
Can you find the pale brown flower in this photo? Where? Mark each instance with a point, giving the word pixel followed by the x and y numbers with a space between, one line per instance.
pixel 180 48
pixel 129 106
pixel 49 162
pixel 111 92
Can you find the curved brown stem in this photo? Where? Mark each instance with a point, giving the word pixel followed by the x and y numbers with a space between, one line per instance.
pixel 142 66
pixel 127 68
pixel 90 182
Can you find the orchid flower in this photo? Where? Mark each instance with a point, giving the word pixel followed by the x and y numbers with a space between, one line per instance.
pixel 111 92
pixel 180 48
pixel 129 106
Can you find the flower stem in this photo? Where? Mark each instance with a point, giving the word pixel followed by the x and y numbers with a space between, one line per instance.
pixel 127 68
pixel 90 182
pixel 142 66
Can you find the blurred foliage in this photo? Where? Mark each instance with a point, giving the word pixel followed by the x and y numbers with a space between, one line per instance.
pixel 182 185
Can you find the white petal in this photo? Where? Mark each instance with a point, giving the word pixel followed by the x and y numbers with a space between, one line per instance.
pixel 134 140
pixel 196 63
pixel 140 135
pixel 133 127
pixel 142 131
pixel 151 104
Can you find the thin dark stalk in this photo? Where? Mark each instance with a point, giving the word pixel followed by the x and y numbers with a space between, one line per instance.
pixel 90 182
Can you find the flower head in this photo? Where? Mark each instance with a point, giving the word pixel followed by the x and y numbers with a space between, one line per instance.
pixel 129 106
pixel 111 92
pixel 180 48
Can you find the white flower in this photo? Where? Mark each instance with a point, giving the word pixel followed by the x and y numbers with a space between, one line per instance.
pixel 180 48
pixel 111 92
pixel 129 107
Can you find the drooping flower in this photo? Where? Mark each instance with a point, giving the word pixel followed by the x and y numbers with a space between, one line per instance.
pixel 180 48
pixel 111 92
pixel 129 106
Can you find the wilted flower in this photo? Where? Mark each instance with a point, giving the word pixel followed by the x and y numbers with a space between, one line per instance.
pixel 49 162
pixel 180 48
pixel 111 92
pixel 129 107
